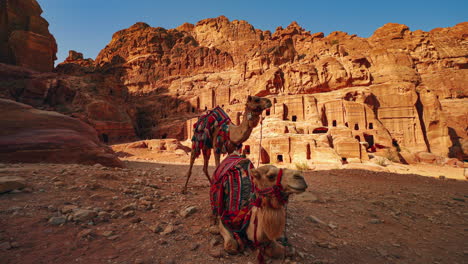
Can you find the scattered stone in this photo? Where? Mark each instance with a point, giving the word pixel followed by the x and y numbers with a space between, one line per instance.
pixel 441 177
pixel 83 215
pixel 156 228
pixel 314 219
pixel 10 183
pixel 114 237
pixel 104 216
pixel 129 207
pixel 85 234
pixel 194 246
pixel 135 220
pixel 57 220
pixel 14 244
pixel 382 252
pixel 5 245
pixel 168 230
pixel 108 233
pixel 129 214
pixel 215 241
pixel 375 221
pixel 188 211
pixel 68 208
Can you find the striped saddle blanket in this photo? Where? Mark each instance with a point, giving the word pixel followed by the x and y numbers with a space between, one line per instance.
pixel 203 131
pixel 232 191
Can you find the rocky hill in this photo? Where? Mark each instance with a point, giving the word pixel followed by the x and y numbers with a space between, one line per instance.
pixel 399 90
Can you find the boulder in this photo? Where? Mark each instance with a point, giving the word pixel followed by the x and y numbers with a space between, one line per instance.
pixel 10 183
pixel 31 135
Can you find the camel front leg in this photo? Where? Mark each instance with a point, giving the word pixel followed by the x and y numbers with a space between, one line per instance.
pixel 206 160
pixel 189 172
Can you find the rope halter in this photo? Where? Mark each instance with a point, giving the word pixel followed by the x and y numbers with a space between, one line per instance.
pixel 273 191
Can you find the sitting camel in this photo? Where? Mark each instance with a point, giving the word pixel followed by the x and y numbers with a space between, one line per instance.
pixel 215 130
pixel 250 204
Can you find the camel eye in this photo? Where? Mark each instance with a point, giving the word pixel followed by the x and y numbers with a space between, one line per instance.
pixel 271 177
pixel 257 100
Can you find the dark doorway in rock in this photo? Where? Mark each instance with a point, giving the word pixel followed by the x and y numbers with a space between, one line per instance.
pixel 346 124
pixel 369 139
pixel 358 138
pixel 280 158
pixel 294 118
pixel 356 126
pixel 164 136
pixel 334 123
pixel 193 109
pixel 267 112
pixel 344 160
pixel 105 138
pixel 371 126
pixel 308 152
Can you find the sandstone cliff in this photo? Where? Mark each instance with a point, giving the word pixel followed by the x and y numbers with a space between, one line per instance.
pixel 31 135
pixel 391 91
pixel 392 81
pixel 24 36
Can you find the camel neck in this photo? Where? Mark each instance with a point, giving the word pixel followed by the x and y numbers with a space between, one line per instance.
pixel 240 133
pixel 272 221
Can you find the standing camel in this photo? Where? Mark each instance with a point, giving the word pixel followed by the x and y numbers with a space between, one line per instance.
pixel 224 137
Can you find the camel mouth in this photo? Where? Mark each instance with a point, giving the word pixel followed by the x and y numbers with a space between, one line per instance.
pixel 297 189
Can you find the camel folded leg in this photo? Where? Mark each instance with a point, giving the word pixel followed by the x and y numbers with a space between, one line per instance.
pixel 230 244
pixel 275 250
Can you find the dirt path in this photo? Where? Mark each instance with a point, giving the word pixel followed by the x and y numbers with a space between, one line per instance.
pixel 134 216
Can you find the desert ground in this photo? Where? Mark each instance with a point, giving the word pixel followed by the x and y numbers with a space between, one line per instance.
pixel 94 214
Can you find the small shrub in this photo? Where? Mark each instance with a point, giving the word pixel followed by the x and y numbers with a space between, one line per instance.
pixel 335 42
pixel 381 161
pixel 392 156
pixel 302 166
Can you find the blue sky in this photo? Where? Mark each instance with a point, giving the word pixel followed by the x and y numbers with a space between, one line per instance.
pixel 87 25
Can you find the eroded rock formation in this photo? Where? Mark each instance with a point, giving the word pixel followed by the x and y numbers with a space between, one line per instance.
pixel 336 96
pixel 388 87
pixel 24 36
pixel 31 135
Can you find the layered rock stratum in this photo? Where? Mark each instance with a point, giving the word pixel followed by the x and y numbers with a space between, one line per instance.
pixel 25 39
pixel 398 92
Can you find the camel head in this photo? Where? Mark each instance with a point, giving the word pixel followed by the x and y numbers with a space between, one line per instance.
pixel 292 181
pixel 257 104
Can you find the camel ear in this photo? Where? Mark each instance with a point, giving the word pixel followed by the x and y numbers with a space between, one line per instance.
pixel 249 98
pixel 255 174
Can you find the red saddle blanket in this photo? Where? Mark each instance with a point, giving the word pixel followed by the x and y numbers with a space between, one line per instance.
pixel 203 130
pixel 232 191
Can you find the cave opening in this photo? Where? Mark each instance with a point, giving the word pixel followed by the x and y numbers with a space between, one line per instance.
pixel 105 138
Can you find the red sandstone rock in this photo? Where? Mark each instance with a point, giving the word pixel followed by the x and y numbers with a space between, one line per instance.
pixel 378 94
pixel 24 36
pixel 30 135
